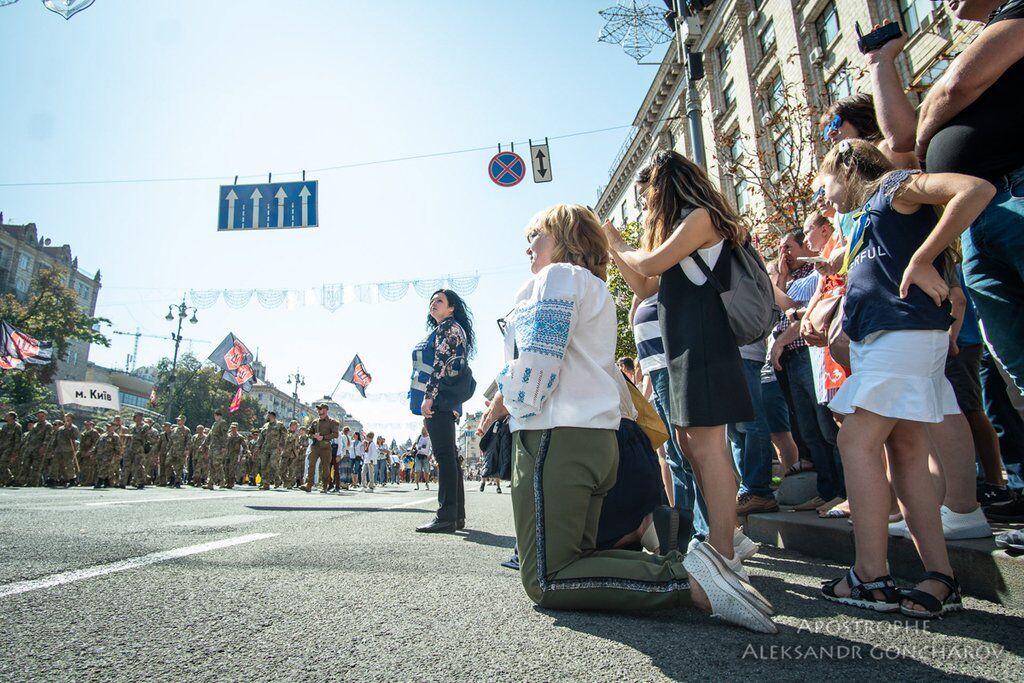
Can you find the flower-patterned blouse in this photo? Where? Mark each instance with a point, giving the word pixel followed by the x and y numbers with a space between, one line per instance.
pixel 449 354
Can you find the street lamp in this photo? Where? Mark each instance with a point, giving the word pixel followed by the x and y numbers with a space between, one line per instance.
pixel 182 312
pixel 299 381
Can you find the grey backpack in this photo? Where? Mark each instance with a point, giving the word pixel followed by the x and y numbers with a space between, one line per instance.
pixel 749 298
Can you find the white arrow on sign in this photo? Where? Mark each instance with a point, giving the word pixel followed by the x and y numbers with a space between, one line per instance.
pixel 541 160
pixel 280 196
pixel 231 209
pixel 256 197
pixel 304 194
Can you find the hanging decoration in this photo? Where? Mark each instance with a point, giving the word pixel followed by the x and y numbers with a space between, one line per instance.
pixel 636 25
pixel 67 8
pixel 334 296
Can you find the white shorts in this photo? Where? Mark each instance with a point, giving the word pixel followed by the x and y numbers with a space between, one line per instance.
pixel 899 374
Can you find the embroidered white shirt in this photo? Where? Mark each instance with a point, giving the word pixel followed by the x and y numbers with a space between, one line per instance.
pixel 564 328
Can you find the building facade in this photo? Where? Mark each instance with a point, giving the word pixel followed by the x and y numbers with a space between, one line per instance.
pixel 755 53
pixel 23 252
pixel 134 388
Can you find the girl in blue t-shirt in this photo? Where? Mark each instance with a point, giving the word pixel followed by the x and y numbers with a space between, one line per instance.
pixel 897 316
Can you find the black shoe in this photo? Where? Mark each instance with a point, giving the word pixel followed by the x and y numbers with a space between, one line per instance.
pixel 437 526
pixel 461 524
pixel 990 494
pixel 1010 511
pixel 666 526
pixel 483 485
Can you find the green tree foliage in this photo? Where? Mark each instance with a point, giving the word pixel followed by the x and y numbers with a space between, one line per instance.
pixel 52 313
pixel 625 345
pixel 196 389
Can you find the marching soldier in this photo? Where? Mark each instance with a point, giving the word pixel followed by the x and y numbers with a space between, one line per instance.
pixel 10 450
pixel 292 445
pixel 63 468
pixel 236 448
pixel 48 453
pixel 200 464
pixel 321 433
pixel 250 461
pixel 158 456
pixel 135 453
pixel 123 438
pixel 269 447
pixel 33 451
pixel 216 443
pixel 177 452
pixel 87 455
pixel 108 457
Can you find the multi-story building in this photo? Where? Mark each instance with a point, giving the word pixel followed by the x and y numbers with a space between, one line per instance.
pixel 22 253
pixel 754 53
pixel 134 387
pixel 468 441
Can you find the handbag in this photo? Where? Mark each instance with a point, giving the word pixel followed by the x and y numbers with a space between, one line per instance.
pixel 838 340
pixel 820 317
pixel 496 445
pixel 452 392
pixel 648 419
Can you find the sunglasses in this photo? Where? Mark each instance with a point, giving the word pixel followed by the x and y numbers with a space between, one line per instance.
pixel 831 127
pixel 818 196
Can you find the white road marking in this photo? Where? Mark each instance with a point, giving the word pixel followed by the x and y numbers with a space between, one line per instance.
pixel 173 499
pixel 411 503
pixel 226 520
pixel 123 565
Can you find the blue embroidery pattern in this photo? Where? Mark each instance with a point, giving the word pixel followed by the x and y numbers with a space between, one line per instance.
pixel 526 375
pixel 543 327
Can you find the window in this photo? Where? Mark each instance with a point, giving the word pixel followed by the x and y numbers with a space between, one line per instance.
pixel 827 25
pixel 840 85
pixel 622 211
pixel 724 52
pixel 776 95
pixel 766 38
pixel 915 15
pixel 933 73
pixel 84 293
pixel 784 151
pixel 736 148
pixel 133 400
pixel 23 274
pixel 740 192
pixel 729 94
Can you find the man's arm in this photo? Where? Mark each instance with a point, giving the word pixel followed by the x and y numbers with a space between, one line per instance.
pixel 979 66
pixel 896 115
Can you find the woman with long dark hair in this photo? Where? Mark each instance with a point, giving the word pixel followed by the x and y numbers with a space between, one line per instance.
pixel 443 355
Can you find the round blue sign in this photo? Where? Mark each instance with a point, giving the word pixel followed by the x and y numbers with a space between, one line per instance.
pixel 506 169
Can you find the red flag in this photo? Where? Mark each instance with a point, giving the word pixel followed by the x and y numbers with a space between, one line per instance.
pixel 152 398
pixel 236 403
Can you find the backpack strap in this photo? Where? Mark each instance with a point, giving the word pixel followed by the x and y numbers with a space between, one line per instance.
pixel 715 282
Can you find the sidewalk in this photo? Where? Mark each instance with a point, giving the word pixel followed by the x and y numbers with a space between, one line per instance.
pixel 983 570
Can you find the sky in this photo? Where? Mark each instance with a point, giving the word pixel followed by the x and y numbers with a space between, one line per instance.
pixel 145 90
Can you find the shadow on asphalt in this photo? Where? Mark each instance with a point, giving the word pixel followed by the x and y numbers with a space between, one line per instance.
pixel 322 508
pixel 487 538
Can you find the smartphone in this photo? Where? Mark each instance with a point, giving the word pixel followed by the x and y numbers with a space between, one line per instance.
pixel 812 259
pixel 877 38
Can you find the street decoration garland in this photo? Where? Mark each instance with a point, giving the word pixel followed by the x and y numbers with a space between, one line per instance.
pixel 333 296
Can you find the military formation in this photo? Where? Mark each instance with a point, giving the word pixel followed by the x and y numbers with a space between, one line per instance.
pixel 136 455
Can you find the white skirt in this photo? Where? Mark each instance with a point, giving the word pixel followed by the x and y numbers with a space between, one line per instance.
pixel 899 374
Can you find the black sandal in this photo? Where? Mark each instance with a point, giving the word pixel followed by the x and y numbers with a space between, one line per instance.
pixel 933 606
pixel 861 595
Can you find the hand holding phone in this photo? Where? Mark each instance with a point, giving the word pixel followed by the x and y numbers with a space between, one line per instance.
pixel 880 36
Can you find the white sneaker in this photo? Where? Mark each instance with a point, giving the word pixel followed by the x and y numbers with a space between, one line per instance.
pixel 743 546
pixel 736 564
pixel 955 525
pixel 729 596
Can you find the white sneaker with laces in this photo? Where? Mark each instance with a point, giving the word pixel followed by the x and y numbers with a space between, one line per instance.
pixel 730 598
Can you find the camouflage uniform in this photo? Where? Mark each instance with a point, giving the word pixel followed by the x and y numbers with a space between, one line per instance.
pixel 216 442
pixel 135 455
pixel 181 436
pixel 269 448
pixel 87 457
pixel 10 453
pixel 64 454
pixel 108 458
pixel 200 457
pixel 291 461
pixel 159 456
pixel 33 452
pixel 236 450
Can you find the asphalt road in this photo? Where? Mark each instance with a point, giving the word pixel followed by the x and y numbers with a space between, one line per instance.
pixel 281 585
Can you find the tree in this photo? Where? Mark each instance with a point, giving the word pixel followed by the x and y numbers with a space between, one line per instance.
pixel 196 389
pixel 622 295
pixel 52 313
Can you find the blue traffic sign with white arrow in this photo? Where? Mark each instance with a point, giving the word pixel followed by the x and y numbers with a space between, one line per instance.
pixel 268 206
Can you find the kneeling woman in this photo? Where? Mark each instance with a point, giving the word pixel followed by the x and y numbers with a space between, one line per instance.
pixel 559 386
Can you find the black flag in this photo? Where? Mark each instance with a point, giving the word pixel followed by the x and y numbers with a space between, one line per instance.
pixel 357 375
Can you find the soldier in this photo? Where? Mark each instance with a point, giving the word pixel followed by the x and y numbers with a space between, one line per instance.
pixel 87 455
pixel 269 448
pixel 301 446
pixel 33 451
pixel 123 439
pixel 152 457
pixel 63 466
pixel 48 453
pixel 10 450
pixel 159 454
pixel 141 442
pixel 286 471
pixel 250 460
pixel 108 456
pixel 216 443
pixel 236 448
pixel 321 433
pixel 200 463
pixel 178 451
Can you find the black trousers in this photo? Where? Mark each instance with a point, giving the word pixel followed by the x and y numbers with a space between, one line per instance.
pixel 451 494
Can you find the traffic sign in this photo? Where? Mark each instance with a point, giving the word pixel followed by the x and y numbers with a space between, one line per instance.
pixel 506 169
pixel 268 206
pixel 541 159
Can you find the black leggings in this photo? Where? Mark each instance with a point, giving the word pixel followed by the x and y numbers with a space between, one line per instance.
pixel 451 494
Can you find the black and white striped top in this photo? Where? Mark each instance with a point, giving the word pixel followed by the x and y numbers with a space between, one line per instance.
pixel 650 350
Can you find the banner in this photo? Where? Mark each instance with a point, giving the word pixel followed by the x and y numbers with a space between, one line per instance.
pixel 18 349
pixel 88 395
pixel 236 402
pixel 357 375
pixel 233 357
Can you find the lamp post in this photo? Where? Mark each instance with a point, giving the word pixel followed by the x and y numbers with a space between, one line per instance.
pixel 181 310
pixel 299 381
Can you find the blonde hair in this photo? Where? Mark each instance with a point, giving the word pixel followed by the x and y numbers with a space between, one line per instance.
pixel 860 167
pixel 675 183
pixel 578 237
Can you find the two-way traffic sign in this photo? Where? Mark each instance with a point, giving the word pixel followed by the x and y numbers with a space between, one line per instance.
pixel 541 159
pixel 268 206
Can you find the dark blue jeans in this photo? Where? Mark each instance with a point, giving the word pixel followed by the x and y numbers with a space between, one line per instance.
pixel 817 428
pixel 993 253
pixel 752 441
pixel 1004 418
pixel 687 495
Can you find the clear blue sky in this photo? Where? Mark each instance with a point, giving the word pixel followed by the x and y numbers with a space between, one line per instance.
pixel 198 88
